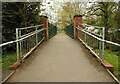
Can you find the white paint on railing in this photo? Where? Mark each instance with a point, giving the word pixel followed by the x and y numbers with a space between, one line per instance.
pixel 30 27
pixel 10 42
pixel 110 42
pixel 101 45
pixel 25 36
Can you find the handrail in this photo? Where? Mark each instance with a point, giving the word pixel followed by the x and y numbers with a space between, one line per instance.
pixel 30 33
pixel 30 27
pixel 100 45
pixel 25 44
pixel 110 42
pixel 90 34
pixel 91 26
pixel 10 42
pixel 96 27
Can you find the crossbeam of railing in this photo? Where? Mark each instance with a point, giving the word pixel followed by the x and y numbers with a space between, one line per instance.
pixel 30 27
pixel 22 38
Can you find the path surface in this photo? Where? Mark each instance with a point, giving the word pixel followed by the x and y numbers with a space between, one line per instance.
pixel 61 59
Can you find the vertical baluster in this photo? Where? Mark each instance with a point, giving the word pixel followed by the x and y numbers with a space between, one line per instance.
pixel 22 47
pixel 20 42
pixel 85 37
pixel 36 36
pixel 27 44
pixel 103 37
pixel 100 43
pixel 17 44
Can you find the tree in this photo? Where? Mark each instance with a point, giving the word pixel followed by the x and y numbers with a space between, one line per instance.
pixel 68 11
pixel 105 12
pixel 16 15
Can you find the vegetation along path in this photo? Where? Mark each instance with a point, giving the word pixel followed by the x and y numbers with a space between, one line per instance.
pixel 61 59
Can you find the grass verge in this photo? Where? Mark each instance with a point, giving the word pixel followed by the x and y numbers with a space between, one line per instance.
pixel 8 59
pixel 113 59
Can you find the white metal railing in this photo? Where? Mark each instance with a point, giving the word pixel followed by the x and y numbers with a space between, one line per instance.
pixel 23 43
pixel 97 44
pixel 98 37
pixel 33 37
pixel 27 39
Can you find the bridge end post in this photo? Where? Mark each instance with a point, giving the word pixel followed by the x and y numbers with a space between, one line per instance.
pixel 44 21
pixel 77 22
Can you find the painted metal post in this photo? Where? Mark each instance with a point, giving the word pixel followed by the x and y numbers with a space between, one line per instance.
pixel 36 36
pixel 20 43
pixel 100 45
pixel 85 37
pixel 27 41
pixel 103 38
pixel 17 44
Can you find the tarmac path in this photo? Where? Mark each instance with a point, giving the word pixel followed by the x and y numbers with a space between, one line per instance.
pixel 61 59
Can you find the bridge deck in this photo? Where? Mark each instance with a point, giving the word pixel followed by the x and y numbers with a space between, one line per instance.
pixel 61 59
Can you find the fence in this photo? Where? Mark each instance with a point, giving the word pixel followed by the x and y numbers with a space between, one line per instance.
pixel 70 30
pixel 27 39
pixel 93 38
pixel 52 30
pixel 33 35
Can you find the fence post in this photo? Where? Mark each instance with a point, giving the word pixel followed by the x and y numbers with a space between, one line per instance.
pixel 77 22
pixel 103 38
pixel 20 43
pixel 36 36
pixel 44 21
pixel 100 44
pixel 85 36
pixel 17 44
